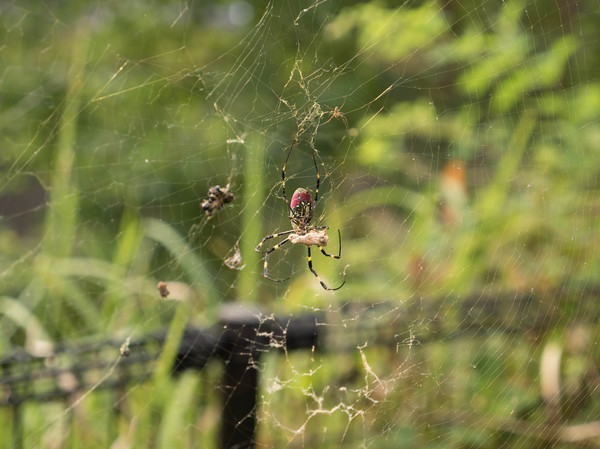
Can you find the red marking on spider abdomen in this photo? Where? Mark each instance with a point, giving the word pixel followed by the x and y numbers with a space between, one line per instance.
pixel 301 196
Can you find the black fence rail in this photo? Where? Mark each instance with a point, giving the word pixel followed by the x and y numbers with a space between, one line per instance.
pixel 239 340
pixel 244 335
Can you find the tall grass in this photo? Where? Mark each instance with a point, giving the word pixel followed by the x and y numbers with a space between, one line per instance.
pixel 253 197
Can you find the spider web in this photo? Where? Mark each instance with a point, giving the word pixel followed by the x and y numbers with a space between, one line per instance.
pixel 456 146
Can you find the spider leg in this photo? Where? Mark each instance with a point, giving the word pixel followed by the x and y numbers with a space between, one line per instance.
pixel 318 179
pixel 269 251
pixel 283 175
pixel 331 117
pixel 269 237
pixel 344 119
pixel 310 267
pixel 333 256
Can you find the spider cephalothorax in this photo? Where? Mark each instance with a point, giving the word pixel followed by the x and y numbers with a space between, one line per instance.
pixel 302 209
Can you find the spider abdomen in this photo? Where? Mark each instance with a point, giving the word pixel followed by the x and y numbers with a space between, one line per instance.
pixel 302 206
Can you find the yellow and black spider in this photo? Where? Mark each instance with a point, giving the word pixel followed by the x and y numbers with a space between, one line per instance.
pixel 302 208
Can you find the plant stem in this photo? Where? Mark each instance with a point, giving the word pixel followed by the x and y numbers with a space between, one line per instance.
pixel 61 219
pixel 251 220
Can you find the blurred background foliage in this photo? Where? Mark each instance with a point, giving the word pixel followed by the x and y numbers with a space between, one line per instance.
pixel 464 162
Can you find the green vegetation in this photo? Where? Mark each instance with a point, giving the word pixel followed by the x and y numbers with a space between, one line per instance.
pixel 465 165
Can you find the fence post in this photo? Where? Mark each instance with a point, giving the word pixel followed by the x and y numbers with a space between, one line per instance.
pixel 240 387
pixel 240 347
pixel 246 335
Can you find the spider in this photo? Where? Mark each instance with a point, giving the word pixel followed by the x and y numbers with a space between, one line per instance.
pixel 301 209
pixel 337 113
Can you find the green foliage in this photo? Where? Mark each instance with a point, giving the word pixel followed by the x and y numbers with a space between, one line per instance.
pixel 392 34
pixel 466 161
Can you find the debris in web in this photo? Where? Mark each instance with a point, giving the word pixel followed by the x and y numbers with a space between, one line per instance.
pixel 124 350
pixel 313 237
pixel 235 262
pixel 217 197
pixel 162 289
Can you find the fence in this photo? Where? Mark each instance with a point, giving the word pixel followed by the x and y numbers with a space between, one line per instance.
pixel 240 339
